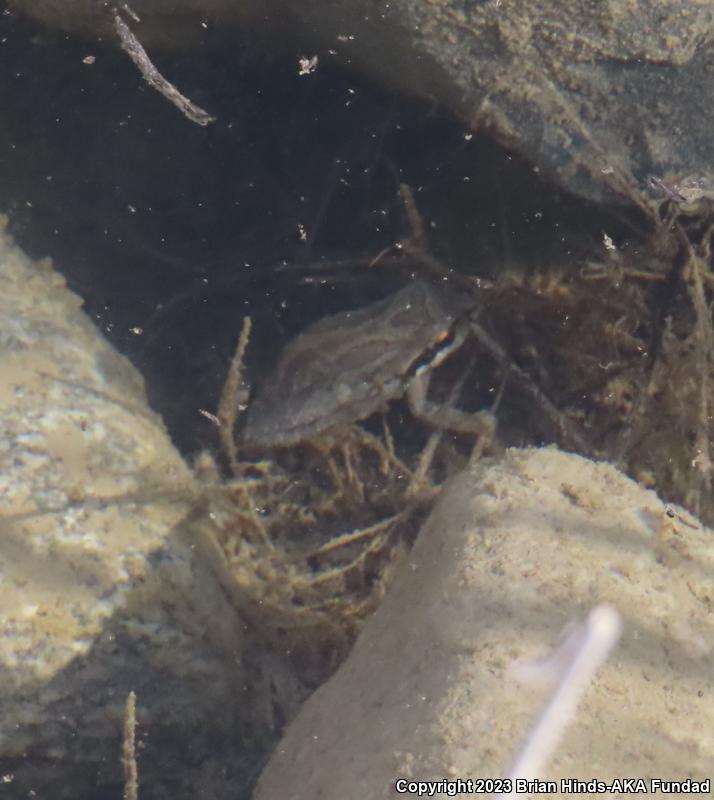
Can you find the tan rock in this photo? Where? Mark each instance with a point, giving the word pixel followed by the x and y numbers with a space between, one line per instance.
pixel 101 591
pixel 512 553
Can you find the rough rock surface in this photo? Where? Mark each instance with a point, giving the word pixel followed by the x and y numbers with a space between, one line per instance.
pixel 593 93
pixel 511 554
pixel 100 588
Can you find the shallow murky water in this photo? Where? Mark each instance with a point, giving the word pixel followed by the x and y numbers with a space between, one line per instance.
pixel 288 209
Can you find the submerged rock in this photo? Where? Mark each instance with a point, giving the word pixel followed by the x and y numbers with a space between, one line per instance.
pixel 607 98
pixel 513 553
pixel 103 591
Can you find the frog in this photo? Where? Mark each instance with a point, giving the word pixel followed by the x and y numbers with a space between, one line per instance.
pixel 350 365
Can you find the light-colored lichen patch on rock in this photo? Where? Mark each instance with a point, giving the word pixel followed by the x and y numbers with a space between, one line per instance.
pixel 511 555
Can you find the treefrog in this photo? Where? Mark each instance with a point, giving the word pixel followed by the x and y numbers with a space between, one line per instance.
pixel 347 366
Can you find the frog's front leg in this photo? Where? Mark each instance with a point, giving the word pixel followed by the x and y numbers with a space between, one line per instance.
pixel 481 423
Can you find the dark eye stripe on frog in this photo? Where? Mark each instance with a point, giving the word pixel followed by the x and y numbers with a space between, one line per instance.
pixel 448 341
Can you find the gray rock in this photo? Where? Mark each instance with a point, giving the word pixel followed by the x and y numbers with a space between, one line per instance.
pixel 601 96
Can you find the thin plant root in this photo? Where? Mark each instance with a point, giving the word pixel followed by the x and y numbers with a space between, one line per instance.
pixel 355 536
pixel 228 408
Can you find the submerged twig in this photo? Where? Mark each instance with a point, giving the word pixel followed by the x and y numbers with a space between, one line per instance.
pixel 134 49
pixel 128 750
pixel 228 406
pixel 695 268
pixel 572 436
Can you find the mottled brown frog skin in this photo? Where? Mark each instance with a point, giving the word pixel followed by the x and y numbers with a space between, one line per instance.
pixel 349 365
